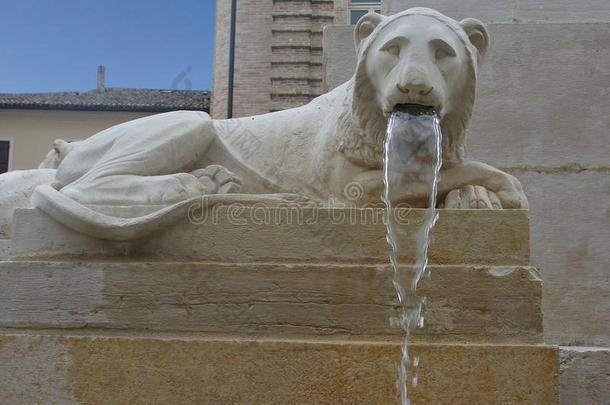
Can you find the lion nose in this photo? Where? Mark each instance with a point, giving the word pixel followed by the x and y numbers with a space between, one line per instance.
pixel 415 88
pixel 413 80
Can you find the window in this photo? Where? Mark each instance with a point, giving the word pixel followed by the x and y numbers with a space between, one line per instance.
pixel 358 8
pixel 4 155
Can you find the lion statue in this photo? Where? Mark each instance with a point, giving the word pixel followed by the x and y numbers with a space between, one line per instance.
pixel 160 164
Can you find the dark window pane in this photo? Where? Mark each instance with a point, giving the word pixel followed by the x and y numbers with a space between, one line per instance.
pixel 4 149
pixel 378 11
pixel 356 14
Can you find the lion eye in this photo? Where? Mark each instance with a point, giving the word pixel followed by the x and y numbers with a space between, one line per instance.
pixel 444 51
pixel 392 50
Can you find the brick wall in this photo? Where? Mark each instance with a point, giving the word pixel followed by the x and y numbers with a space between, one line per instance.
pixel 278 53
pixel 218 103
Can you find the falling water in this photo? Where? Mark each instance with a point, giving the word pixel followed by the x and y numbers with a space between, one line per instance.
pixel 412 155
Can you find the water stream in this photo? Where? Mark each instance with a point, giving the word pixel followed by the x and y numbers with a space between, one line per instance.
pixel 412 154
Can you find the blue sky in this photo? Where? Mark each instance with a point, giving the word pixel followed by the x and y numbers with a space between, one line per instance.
pixel 56 45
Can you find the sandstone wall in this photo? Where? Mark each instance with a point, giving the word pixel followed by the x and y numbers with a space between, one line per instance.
pixel 541 114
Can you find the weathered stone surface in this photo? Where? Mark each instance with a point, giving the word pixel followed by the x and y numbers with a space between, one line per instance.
pixel 570 234
pixel 464 303
pixel 339 60
pixel 113 370
pixel 584 375
pixel 498 237
pixel 514 89
pixel 5 246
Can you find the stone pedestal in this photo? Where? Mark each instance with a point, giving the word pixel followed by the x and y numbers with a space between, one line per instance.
pixel 265 307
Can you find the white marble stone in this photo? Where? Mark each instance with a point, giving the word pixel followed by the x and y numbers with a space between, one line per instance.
pixel 16 188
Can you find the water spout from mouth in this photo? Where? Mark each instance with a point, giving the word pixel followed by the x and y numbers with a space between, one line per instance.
pixel 412 149
pixel 414 109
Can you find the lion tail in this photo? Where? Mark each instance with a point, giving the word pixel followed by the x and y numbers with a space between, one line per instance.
pixel 90 222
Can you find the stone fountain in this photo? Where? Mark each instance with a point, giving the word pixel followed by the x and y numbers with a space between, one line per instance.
pixel 179 259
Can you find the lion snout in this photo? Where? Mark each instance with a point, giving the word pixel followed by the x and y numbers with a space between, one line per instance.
pixel 415 89
pixel 413 77
pixel 424 95
pixel 415 85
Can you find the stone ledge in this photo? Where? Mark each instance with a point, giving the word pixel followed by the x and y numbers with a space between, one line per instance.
pixel 105 370
pixel 485 237
pixel 464 303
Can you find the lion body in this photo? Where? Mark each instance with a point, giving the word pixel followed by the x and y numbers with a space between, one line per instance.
pixel 418 56
pixel 292 151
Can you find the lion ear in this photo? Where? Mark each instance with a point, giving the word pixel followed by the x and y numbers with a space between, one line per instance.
pixel 366 25
pixel 477 33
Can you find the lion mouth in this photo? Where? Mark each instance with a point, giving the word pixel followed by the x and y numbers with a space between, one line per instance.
pixel 416 109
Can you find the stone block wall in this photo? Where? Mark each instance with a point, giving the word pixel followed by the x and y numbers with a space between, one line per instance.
pixel 542 115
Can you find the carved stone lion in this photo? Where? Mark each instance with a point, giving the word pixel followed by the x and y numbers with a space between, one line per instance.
pixel 164 161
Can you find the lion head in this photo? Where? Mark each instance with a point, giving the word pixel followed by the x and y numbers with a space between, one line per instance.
pixel 419 56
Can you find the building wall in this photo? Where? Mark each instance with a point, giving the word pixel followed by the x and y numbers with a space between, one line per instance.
pixel 278 53
pixel 33 131
pixel 218 103
pixel 252 58
pixel 542 115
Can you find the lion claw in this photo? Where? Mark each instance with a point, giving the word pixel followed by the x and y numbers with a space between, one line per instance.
pixel 472 197
pixel 217 179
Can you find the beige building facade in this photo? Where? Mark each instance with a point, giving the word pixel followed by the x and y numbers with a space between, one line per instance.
pixel 29 123
pixel 31 133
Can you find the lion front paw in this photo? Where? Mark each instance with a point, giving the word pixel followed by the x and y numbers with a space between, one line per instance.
pixel 472 197
pixel 218 180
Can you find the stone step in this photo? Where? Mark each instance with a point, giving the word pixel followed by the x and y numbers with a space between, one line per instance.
pixel 497 304
pixel 291 233
pixel 171 370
